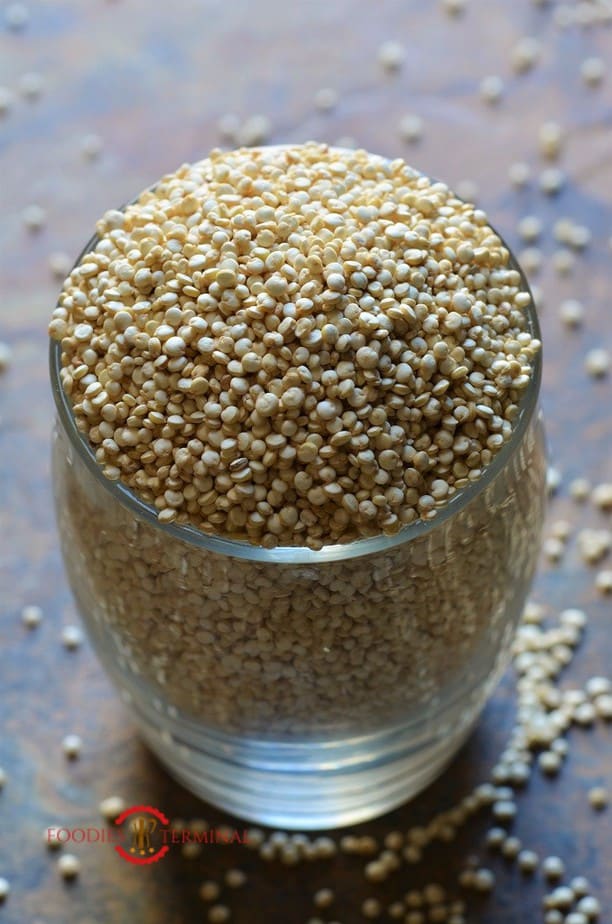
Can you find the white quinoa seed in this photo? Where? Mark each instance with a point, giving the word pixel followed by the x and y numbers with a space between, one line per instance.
pixel 256 129
pixel 111 807
pixel 326 99
pixel 454 7
pixel 550 140
pixel 579 489
pixel 553 868
pixel 371 908
pixel 563 261
pixel 6 101
pixel 72 637
pixel 218 914
pixel 69 866
pixel 589 906
pixel 596 686
pixel 34 217
pixel 16 16
pixel 525 54
pixel 603 581
pixel 228 127
pixel 323 898
pixel 71 746
pixel 31 616
pixel 91 146
pixel 597 362
pixel 31 85
pixel 601 496
pixel 571 312
pixel 592 71
pixel 467 190
pixel 599 798
pixel 209 890
pixel 491 89
pixel 519 174
pixel 552 180
pixel 235 878
pixel 530 228
pixel 391 55
pixel 527 861
pixel 410 127
pixel 484 880
pixel 60 265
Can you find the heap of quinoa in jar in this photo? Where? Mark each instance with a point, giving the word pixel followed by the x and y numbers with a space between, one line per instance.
pixel 297 345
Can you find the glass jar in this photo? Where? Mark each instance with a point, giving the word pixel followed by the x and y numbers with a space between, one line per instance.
pixel 299 688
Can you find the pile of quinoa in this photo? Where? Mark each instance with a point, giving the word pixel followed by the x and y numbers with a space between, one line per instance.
pixel 295 345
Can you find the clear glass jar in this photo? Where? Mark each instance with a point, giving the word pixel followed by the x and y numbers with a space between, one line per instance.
pixel 299 688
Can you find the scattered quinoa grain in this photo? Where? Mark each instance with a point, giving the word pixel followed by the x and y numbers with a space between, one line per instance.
pixel 592 71
pixel 511 848
pixel 71 746
pixel 553 868
pixel 31 85
pixel 599 798
pixel 484 880
pixel 391 55
pixel 209 890
pixel 34 217
pixel 326 99
pixel 527 861
pixel 454 7
pixel 530 228
pixel 323 898
pixel 6 101
pixel 491 89
pixel 597 362
pixel 256 129
pixel 562 897
pixel 218 914
pixel 519 174
pixel 371 908
pixel 16 16
pixel 571 312
pixel 410 128
pixel 60 265
pixel 601 496
pixel 111 807
pixel 72 637
pixel 235 878
pixel 525 54
pixel 603 581
pixel 31 616
pixel 90 146
pixel 552 181
pixel 69 866
pixel 589 906
pixel 550 140
pixel 563 261
pixel 579 489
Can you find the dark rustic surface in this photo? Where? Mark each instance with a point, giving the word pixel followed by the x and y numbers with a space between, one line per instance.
pixel 152 81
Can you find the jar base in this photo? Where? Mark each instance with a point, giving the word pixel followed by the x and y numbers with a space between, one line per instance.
pixel 311 785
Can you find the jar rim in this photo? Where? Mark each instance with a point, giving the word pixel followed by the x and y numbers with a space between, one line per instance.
pixel 240 548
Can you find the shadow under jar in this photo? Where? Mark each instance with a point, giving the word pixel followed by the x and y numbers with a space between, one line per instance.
pixel 300 688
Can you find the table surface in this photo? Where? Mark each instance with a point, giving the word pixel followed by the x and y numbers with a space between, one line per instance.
pixel 152 81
